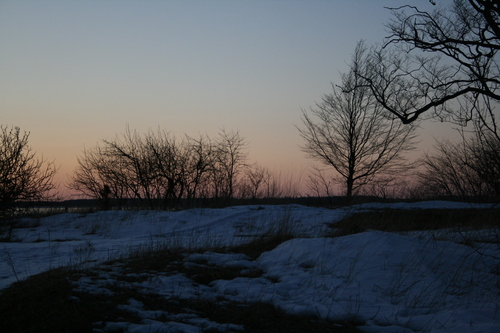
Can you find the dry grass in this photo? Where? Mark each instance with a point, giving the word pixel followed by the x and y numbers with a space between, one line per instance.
pixel 46 303
pixel 265 318
pixel 396 220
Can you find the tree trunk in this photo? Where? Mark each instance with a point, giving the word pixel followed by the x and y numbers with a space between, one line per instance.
pixel 350 185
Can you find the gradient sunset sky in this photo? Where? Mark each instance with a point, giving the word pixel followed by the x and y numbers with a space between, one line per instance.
pixel 75 72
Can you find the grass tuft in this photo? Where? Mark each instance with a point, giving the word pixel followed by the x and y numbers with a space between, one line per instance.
pixel 262 244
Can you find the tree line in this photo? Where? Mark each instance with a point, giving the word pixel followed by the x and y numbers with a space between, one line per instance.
pixel 164 171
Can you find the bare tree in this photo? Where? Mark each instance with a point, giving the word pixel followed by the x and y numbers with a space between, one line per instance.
pixel 89 178
pixel 434 60
pixel 120 168
pixel 446 173
pixel 166 159
pixel 470 167
pixel 486 162
pixel 353 134
pixel 102 176
pixel 128 150
pixel 230 158
pixel 23 177
pixel 199 164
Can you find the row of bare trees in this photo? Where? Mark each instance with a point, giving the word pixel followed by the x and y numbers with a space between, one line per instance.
pixel 156 168
pixel 162 170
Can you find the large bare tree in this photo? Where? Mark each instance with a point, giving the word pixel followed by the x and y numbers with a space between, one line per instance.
pixel 441 63
pixel 352 133
pixel 444 64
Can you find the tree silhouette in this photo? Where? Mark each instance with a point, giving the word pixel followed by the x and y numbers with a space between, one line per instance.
pixel 441 63
pixel 352 133
pixel 23 177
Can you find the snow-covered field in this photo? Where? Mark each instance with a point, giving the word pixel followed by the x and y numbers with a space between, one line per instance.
pixel 413 282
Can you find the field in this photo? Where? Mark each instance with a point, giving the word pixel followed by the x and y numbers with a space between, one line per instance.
pixel 402 267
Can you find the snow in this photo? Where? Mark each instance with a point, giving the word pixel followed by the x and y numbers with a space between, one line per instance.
pixel 412 282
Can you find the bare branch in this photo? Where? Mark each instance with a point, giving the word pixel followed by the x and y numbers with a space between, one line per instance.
pixel 432 60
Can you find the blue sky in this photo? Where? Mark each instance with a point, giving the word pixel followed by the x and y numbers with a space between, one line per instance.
pixel 76 72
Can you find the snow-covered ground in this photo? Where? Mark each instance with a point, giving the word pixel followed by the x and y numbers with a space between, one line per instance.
pixel 416 282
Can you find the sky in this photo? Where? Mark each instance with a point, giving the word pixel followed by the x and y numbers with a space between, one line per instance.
pixel 73 73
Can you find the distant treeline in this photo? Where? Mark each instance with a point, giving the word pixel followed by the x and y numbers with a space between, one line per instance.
pixel 133 204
